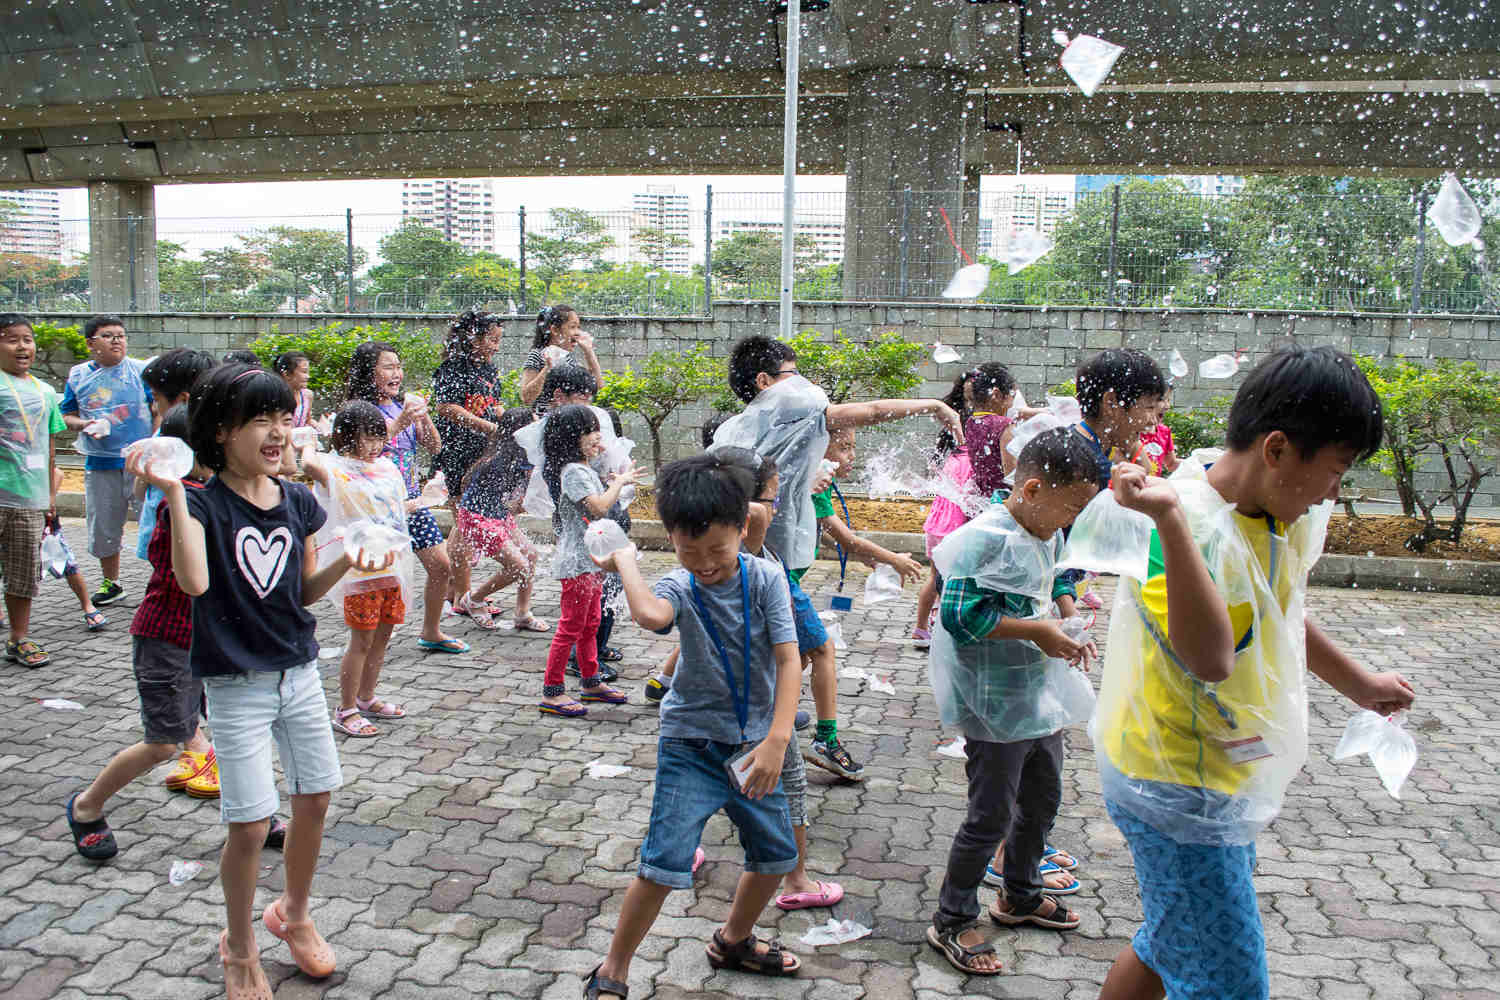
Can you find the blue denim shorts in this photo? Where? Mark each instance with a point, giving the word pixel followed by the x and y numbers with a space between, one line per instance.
pixel 810 631
pixel 1202 933
pixel 692 785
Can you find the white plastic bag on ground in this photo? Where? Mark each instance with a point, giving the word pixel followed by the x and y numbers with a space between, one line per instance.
pixel 599 769
pixel 882 585
pixel 954 749
pixel 1088 61
pixel 1454 213
pixel 1108 538
pixel 183 871
pixel 834 932
pixel 1389 746
pixel 968 283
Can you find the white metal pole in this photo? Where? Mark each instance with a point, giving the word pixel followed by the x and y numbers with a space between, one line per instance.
pixel 789 162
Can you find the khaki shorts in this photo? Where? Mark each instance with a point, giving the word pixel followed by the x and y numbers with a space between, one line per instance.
pixel 21 550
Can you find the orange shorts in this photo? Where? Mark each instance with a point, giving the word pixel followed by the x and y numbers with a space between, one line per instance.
pixel 370 609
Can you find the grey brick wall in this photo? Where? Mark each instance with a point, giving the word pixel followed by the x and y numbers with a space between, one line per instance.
pixel 1042 345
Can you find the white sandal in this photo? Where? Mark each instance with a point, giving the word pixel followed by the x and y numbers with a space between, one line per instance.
pixel 349 722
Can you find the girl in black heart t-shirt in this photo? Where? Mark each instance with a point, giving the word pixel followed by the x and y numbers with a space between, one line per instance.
pixel 241 548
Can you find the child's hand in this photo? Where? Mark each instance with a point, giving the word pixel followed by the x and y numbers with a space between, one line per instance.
pixel 626 476
pixel 821 480
pixel 1053 641
pixel 364 563
pixel 765 770
pixel 1137 490
pixel 138 464
pixel 945 415
pixel 909 569
pixel 584 340
pixel 1386 693
pixel 611 563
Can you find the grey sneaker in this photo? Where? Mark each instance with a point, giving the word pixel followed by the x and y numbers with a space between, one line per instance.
pixel 803 720
pixel 833 757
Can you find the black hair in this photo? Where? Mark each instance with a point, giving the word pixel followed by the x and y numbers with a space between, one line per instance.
pixel 287 361
pixel 356 419
pixel 97 323
pixel 1059 457
pixel 711 427
pixel 752 356
pixel 570 379
pixel 958 403
pixel 614 421
pixel 240 356
pixel 175 423
pixel 564 426
pixel 466 329
pixel 991 377
pixel 760 466
pixel 173 373
pixel 1129 373
pixel 8 320
pixel 549 317
pixel 503 458
pixel 695 493
pixel 228 398
pixel 362 364
pixel 1316 396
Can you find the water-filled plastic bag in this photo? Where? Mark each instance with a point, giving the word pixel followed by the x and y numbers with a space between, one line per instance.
pixel 303 437
pixel 1218 366
pixel 603 537
pixel 1027 246
pixel 968 282
pixel 169 456
pixel 1030 428
pixel 1178 365
pixel 54 555
pixel 944 355
pixel 374 539
pixel 1108 538
pixel 1065 408
pixel 1088 61
pixel 1389 746
pixel 555 354
pixel 882 585
pixel 1454 213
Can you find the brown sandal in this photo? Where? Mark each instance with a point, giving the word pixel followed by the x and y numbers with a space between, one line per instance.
pixel 743 957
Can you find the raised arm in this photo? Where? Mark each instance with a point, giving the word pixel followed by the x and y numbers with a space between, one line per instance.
pixel 648 610
pixel 884 410
pixel 531 382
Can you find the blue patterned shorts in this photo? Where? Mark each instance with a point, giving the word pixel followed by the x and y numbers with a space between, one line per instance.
pixel 424 530
pixel 1202 934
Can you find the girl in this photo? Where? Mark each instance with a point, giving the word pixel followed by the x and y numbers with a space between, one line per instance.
pixel 357 485
pixel 1158 452
pixel 485 526
pixel 294 367
pixel 465 389
pixel 242 548
pixel 556 326
pixel 375 376
pixel 569 441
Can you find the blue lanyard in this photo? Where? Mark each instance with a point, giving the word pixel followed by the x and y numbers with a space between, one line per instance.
pixel 741 693
pixel 843 556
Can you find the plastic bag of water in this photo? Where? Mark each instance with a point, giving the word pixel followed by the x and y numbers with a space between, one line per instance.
pixel 1454 213
pixel 1027 246
pixel 169 456
pixel 943 354
pixel 1218 366
pixel 54 555
pixel 834 628
pixel 97 428
pixel 1030 428
pixel 603 537
pixel 304 437
pixel 1069 687
pixel 1178 365
pixel 555 354
pixel 436 490
pixel 1389 746
pixel 1065 408
pixel 968 282
pixel 882 585
pixel 1108 538
pixel 376 541
pixel 1088 61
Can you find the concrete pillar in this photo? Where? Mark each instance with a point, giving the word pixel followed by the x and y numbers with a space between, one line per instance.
pixel 969 239
pixel 906 129
pixel 122 247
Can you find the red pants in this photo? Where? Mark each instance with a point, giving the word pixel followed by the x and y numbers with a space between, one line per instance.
pixel 577 626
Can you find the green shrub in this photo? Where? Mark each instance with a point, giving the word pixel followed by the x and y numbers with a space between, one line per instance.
pixel 884 368
pixel 330 347
pixel 665 382
pixel 1199 426
pixel 58 348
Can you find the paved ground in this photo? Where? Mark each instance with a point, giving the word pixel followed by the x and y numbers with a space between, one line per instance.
pixel 468 855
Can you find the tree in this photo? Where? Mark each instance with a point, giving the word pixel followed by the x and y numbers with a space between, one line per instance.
pixel 483 278
pixel 313 259
pixel 654 243
pixel 415 252
pixel 665 382
pixel 884 368
pixel 575 237
pixel 751 260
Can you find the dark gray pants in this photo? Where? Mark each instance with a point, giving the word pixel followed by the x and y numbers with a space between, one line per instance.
pixel 1014 792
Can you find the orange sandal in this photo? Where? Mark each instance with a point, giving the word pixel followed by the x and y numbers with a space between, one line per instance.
pixel 314 956
pixel 259 988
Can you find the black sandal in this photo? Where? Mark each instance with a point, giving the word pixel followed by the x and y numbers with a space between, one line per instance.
pixel 276 834
pixel 743 957
pixel 596 984
pixel 959 955
pixel 1060 919
pixel 93 839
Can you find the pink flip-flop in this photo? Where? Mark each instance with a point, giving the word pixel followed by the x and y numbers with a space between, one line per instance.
pixel 698 858
pixel 828 894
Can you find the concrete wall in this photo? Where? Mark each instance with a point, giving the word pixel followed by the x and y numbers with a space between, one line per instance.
pixel 1041 345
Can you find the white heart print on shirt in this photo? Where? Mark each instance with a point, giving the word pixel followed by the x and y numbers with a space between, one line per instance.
pixel 262 560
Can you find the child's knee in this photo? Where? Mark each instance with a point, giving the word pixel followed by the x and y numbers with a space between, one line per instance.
pixel 243 836
pixel 311 805
pixel 160 753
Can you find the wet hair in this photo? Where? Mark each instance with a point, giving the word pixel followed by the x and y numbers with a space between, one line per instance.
pixel 240 356
pixel 287 361
pixel 570 379
pixel 175 423
pixel 1130 374
pixel 1059 457
pixel 362 364
pixel 8 320
pixel 761 467
pixel 503 458
pixel 983 436
pixel 752 356
pixel 1316 396
pixel 228 398
pixel 356 419
pixel 711 427
pixel 560 435
pixel 466 330
pixel 173 373
pixel 614 421
pixel 693 494
pixel 549 317
pixel 991 377
pixel 97 323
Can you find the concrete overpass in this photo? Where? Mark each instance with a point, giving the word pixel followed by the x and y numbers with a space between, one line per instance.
pixel 926 94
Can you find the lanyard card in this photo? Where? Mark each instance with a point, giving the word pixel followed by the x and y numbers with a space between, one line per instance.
pixel 840 601
pixel 738 766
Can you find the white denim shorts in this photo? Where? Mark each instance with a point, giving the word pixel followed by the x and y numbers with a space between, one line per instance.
pixel 246 712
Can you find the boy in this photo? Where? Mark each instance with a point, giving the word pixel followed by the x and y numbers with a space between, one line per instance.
pixel 109 405
pixel 788 419
pixel 1201 720
pixel 734 695
pixel 1118 391
pixel 28 420
pixel 170 377
pixel 991 662
pixel 841 451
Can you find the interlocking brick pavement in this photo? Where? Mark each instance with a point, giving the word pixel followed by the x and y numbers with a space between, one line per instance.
pixel 470 855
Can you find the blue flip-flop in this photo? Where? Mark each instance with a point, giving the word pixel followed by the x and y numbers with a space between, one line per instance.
pixel 1050 853
pixel 568 710
pixel 446 646
pixel 994 878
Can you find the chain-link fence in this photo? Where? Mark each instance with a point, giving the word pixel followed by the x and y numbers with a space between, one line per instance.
pixel 671 253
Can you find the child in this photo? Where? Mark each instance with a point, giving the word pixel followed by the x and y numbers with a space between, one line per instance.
pixel 556 326
pixel 294 368
pixel 170 377
pixel 170 695
pixel 1202 716
pixel 29 419
pixel 1119 391
pixel 358 485
pixel 486 526
pixel 1157 453
pixel 620 514
pixel 242 548
pixel 788 419
pixel 570 441
pixel 93 618
pixel 108 403
pixel 841 451
pixel 731 703
pixel 992 664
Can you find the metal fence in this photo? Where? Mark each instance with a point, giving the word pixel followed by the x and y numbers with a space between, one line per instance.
pixel 673 253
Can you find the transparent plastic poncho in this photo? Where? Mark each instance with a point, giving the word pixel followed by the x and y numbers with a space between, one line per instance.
pixel 1002 691
pixel 364 491
pixel 786 422
pixel 538 501
pixel 1209 763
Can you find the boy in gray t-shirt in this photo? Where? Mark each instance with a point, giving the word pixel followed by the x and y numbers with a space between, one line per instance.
pixel 732 703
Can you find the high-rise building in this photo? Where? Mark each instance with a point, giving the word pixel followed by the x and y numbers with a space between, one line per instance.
pixel 1215 184
pixel 664 215
pixel 827 234
pixel 31 222
pixel 462 210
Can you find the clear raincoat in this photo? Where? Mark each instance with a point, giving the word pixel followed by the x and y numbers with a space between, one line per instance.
pixel 538 501
pixel 365 491
pixel 787 423
pixel 1209 763
pixel 1006 690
